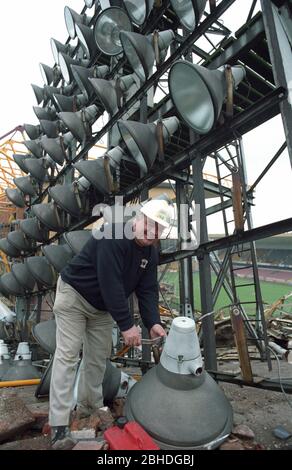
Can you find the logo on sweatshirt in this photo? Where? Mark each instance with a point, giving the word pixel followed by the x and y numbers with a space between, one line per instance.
pixel 144 263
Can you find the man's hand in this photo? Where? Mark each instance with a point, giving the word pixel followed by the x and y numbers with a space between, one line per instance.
pixel 157 331
pixel 132 337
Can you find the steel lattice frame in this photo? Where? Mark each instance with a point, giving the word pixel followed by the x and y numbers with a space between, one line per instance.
pixel 259 98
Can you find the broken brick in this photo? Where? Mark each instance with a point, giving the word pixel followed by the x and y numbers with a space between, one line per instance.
pixel 85 428
pixel 89 445
pixel 107 419
pixel 243 432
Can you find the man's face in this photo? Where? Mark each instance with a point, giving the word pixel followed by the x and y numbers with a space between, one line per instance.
pixel 147 232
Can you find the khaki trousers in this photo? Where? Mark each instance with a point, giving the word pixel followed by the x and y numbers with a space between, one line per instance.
pixel 78 324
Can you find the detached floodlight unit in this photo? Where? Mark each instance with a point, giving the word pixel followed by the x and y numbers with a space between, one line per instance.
pixel 199 93
pixel 177 402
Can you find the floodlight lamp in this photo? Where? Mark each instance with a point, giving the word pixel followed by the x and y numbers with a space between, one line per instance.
pixel 107 30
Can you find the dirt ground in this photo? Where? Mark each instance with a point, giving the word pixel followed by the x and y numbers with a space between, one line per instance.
pixel 261 410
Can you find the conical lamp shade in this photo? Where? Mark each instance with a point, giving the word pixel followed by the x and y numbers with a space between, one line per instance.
pixel 41 270
pixel 65 64
pixel 66 197
pixel 56 148
pixel 45 334
pixel 25 185
pixel 106 93
pixel 50 128
pixel 57 47
pixel 3 292
pixel 77 122
pixel 34 147
pixel 86 39
pixel 51 90
pixel 15 196
pixel 107 28
pixel 82 74
pixel 189 12
pixel 23 277
pixel 198 93
pixel 19 241
pixel 66 103
pixel 36 169
pixel 138 10
pixel 39 93
pixel 20 161
pixel 141 142
pixel 31 228
pixel 32 131
pixel 44 113
pixel 139 52
pixel 49 216
pixel 9 249
pixel 72 18
pixel 202 416
pixel 98 179
pixel 57 255
pixel 94 172
pixel 77 239
pixel 47 74
pixel 11 285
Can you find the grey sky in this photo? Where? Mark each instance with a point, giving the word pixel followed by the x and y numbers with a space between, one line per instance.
pixel 25 33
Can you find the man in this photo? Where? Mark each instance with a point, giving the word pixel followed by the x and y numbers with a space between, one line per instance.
pixel 92 291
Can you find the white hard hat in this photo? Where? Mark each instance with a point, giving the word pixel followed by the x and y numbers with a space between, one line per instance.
pixel 158 210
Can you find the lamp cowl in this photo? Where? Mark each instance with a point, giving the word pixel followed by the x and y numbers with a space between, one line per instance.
pixel 69 197
pixel 79 123
pixel 139 50
pixel 49 216
pixel 32 229
pixel 138 10
pixel 20 161
pixel 202 415
pixel 32 131
pixel 26 185
pixel 82 74
pixel 57 47
pixel 72 18
pixel 15 196
pixel 56 148
pixel 9 249
pixel 45 113
pixel 189 12
pixel 107 28
pixel 34 147
pixel 198 93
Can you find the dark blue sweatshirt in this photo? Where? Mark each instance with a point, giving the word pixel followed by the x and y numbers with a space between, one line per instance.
pixel 106 272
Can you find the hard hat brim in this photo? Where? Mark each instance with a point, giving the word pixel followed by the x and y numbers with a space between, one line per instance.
pixel 161 222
